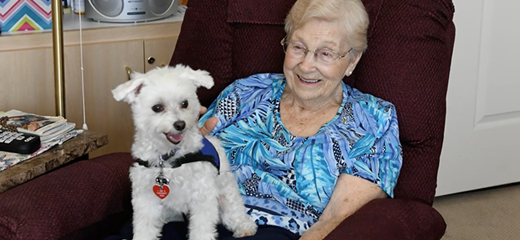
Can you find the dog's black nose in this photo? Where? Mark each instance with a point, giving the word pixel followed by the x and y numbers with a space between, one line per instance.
pixel 179 125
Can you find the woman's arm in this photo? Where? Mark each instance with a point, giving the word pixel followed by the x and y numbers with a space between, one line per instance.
pixel 350 194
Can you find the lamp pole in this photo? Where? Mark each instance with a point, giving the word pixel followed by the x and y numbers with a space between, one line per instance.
pixel 57 45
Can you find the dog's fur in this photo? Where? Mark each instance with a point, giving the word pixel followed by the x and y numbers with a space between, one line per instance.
pixel 158 101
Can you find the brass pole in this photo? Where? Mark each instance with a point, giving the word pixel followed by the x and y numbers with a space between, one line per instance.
pixel 57 45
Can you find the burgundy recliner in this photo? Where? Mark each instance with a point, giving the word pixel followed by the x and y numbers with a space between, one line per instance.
pixel 407 62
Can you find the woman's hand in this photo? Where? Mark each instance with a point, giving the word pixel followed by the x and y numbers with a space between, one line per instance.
pixel 209 125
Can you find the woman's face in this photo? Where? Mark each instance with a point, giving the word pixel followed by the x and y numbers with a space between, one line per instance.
pixel 310 79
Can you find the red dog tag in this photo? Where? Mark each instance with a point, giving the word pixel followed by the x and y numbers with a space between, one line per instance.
pixel 161 192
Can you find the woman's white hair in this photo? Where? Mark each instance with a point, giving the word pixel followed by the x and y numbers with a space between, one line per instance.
pixel 350 13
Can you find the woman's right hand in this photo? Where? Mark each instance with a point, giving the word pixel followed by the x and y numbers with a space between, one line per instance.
pixel 209 125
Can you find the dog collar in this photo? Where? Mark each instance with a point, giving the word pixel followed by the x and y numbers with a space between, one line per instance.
pixel 169 155
pixel 208 153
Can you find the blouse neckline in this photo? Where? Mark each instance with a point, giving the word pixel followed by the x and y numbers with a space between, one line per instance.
pixel 278 89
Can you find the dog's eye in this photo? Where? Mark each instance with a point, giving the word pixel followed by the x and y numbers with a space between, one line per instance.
pixel 157 108
pixel 184 104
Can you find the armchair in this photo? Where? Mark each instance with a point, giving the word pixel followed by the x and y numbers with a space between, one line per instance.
pixel 407 62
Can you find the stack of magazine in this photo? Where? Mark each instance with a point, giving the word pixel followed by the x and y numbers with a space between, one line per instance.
pixel 53 130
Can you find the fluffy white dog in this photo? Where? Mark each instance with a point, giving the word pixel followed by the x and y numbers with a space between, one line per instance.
pixel 177 170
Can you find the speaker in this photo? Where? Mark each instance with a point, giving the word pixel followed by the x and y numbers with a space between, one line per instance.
pixel 129 10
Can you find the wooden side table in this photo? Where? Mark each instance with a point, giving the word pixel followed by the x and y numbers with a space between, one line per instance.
pixel 51 159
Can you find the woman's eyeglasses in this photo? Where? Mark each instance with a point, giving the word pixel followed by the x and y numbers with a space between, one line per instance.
pixel 323 55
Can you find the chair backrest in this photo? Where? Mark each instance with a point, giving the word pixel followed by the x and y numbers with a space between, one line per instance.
pixel 407 62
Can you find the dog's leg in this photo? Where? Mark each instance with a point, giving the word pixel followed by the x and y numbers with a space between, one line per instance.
pixel 148 218
pixel 203 210
pixel 234 216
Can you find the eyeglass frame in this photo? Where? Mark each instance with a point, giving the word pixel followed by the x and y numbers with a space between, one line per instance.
pixel 339 56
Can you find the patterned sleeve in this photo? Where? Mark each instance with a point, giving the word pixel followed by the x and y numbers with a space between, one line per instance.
pixel 236 100
pixel 225 104
pixel 378 156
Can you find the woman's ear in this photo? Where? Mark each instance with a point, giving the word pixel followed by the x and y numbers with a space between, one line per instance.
pixel 353 63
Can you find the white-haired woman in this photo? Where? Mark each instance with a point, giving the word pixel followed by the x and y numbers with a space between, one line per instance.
pixel 307 150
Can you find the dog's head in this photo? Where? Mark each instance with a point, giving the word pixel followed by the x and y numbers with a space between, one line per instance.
pixel 164 102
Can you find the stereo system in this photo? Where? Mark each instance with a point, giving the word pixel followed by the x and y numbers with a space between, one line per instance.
pixel 129 10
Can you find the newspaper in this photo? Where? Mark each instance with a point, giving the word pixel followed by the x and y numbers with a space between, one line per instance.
pixel 47 127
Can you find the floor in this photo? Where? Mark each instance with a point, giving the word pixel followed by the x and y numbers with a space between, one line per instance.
pixel 492 213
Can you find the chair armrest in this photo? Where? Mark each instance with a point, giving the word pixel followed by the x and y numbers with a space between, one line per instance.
pixel 69 202
pixel 391 219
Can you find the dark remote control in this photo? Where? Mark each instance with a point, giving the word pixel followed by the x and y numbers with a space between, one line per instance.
pixel 18 142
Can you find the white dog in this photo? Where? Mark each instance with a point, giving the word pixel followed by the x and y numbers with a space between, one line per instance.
pixel 177 170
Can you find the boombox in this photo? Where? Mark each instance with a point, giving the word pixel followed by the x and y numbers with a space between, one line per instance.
pixel 129 10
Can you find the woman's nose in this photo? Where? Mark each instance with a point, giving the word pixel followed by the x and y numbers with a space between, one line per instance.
pixel 309 61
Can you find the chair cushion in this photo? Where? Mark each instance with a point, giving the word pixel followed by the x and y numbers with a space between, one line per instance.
pixel 258 12
pixel 194 48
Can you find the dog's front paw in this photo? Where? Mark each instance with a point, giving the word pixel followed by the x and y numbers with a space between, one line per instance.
pixel 247 228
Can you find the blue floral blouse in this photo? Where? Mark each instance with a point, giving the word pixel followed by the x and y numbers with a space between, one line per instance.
pixel 286 180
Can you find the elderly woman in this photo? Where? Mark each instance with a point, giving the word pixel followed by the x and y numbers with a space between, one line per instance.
pixel 306 149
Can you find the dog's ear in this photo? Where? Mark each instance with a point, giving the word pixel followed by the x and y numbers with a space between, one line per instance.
pixel 198 77
pixel 129 90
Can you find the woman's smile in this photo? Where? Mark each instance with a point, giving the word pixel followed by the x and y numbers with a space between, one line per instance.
pixel 308 80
